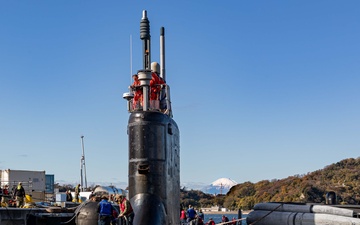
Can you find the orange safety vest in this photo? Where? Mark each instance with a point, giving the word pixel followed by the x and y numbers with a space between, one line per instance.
pixel 137 93
pixel 155 87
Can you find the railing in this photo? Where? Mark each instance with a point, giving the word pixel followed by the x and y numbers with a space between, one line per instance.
pixel 194 222
pixel 161 102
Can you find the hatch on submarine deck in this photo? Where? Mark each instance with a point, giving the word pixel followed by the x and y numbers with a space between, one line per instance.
pixel 154 137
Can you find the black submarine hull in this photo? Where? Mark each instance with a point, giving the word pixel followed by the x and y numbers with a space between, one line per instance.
pixel 154 168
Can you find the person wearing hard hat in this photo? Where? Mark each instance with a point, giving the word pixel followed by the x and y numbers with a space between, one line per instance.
pixel 156 83
pixel 138 93
pixel 77 192
pixel 105 210
pixel 19 195
pixel 126 210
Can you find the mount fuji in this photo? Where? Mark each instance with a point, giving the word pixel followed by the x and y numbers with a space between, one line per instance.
pixel 220 186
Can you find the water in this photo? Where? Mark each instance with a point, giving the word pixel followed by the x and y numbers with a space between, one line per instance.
pixel 217 217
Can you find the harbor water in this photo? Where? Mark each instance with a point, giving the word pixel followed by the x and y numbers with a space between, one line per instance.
pixel 217 217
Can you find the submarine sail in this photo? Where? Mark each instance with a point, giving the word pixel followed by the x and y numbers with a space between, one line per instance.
pixel 154 137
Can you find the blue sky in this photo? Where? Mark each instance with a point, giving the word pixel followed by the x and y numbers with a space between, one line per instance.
pixel 261 89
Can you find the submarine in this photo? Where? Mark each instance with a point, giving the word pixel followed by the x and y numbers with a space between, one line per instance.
pixel 153 145
pixel 153 140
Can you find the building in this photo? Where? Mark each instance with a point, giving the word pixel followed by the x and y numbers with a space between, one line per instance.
pixel 36 183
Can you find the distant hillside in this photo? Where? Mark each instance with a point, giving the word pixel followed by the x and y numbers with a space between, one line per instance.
pixel 341 177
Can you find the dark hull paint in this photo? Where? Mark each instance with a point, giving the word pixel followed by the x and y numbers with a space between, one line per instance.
pixel 154 168
pixel 86 213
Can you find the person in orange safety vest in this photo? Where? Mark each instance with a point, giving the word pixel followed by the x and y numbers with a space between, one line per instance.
pixel 138 94
pixel 155 86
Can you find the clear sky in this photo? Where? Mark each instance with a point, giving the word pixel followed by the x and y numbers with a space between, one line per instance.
pixel 261 90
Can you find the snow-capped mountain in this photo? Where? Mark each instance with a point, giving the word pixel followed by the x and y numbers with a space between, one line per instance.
pixel 220 186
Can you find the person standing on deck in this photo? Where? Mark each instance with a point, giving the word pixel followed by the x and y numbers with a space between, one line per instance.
pixel 191 213
pixel 77 192
pixel 69 197
pixel 138 93
pixel 105 210
pixel 210 222
pixel 156 83
pixel 5 196
pixel 182 216
pixel 234 221
pixel 19 195
pixel 224 219
pixel 199 220
pixel 201 214
pixel 126 211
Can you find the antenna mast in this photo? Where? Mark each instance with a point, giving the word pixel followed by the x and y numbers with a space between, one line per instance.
pixel 131 73
pixel 83 167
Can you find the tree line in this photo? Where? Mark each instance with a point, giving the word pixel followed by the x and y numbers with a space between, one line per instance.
pixel 341 177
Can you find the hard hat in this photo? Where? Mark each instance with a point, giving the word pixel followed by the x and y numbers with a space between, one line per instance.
pixel 104 197
pixel 155 67
pixel 121 196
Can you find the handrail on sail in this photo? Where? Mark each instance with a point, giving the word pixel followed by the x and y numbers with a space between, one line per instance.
pixel 161 104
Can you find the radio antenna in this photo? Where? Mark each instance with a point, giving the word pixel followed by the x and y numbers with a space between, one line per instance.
pixel 131 73
pixel 129 95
